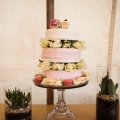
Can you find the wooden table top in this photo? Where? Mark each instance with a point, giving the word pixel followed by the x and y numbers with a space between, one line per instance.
pixel 39 112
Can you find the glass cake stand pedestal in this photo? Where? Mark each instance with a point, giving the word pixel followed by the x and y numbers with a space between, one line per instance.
pixel 61 112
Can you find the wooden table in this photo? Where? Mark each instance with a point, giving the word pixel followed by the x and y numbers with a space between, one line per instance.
pixel 39 112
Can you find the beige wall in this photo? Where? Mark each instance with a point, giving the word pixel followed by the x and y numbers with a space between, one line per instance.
pixel 23 23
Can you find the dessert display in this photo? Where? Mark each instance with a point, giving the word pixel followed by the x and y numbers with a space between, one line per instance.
pixel 61 62
pixel 62 66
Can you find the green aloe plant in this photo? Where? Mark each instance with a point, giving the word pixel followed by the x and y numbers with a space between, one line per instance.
pixel 17 99
pixel 107 86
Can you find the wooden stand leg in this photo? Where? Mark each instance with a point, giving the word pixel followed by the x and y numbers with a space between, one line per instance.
pixel 50 15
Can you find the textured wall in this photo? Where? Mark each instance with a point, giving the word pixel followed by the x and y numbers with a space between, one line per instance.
pixel 23 23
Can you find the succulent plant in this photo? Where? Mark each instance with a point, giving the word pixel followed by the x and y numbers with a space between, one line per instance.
pixel 107 86
pixel 17 99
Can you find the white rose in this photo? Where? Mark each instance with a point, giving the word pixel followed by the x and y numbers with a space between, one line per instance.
pixel 70 67
pixel 79 45
pixel 76 44
pixel 79 80
pixel 60 66
pixel 48 81
pixel 81 65
pixel 54 66
pixel 44 43
pixel 40 63
pixel 55 43
pixel 51 44
pixel 44 81
pixel 57 66
pixel 86 75
pixel 67 45
pixel 46 65
pixel 82 45
pixel 58 83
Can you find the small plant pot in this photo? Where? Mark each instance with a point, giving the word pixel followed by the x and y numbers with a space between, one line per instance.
pixel 18 102
pixel 107 100
pixel 107 107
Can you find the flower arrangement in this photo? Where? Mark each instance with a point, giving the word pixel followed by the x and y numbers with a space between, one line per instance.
pixel 69 67
pixel 56 43
pixel 39 78
pixel 55 24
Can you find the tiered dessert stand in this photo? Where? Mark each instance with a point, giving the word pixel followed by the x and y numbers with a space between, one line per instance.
pixel 61 112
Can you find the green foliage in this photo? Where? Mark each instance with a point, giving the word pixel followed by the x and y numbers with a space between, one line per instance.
pixel 17 99
pixel 107 86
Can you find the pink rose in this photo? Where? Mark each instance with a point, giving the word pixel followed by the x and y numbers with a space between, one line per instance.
pixel 54 23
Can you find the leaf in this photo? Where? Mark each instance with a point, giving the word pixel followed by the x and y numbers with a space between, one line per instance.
pixel 116 86
pixel 104 85
pixel 17 98
pixel 7 103
pixel 111 87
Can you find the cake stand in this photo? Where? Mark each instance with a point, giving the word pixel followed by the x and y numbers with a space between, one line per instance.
pixel 61 112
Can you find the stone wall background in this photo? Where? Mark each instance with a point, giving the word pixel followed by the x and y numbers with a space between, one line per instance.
pixel 23 23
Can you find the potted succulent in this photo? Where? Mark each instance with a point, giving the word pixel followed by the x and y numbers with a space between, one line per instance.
pixel 107 103
pixel 18 104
